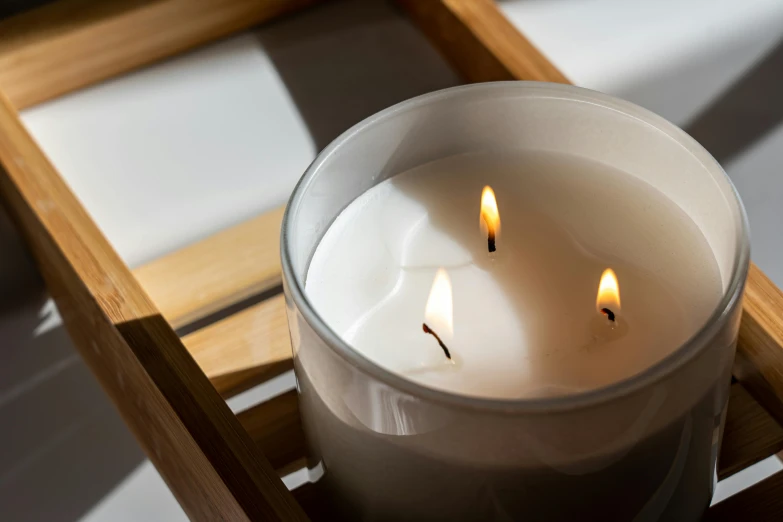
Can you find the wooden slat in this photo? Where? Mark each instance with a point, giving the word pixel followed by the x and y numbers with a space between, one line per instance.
pixel 316 503
pixel 479 42
pixel 70 44
pixel 750 435
pixel 217 272
pixel 184 426
pixel 244 349
pixel 759 363
pixel 274 425
pixel 762 502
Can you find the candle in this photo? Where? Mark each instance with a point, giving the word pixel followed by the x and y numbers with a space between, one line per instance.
pixel 525 322
pixel 556 349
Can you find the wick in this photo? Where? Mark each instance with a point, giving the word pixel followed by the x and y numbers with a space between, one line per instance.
pixel 428 330
pixel 608 313
pixel 490 236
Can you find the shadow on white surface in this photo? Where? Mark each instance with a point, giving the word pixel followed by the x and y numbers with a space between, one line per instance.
pixel 172 153
pixel 62 444
pixel 743 129
pixel 142 496
pixel 344 61
pixel 745 112
pixel 670 56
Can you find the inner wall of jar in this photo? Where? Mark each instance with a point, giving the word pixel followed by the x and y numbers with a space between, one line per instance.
pixel 516 115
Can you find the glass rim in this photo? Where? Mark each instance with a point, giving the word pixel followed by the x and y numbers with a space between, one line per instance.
pixel 666 366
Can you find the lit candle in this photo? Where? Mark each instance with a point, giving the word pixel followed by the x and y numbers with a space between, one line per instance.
pixel 525 322
pixel 439 311
pixel 573 365
pixel 607 300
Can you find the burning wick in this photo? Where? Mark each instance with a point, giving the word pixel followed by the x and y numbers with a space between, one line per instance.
pixel 490 217
pixel 439 311
pixel 607 326
pixel 428 330
pixel 608 295
pixel 491 240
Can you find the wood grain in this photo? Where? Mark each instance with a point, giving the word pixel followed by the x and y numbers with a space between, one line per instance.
pixel 275 426
pixel 316 503
pixel 759 363
pixel 761 502
pixel 244 349
pixel 71 44
pixel 216 272
pixel 207 459
pixel 479 42
pixel 750 434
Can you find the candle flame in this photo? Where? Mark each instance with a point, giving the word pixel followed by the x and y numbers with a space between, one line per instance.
pixel 608 292
pixel 439 313
pixel 490 217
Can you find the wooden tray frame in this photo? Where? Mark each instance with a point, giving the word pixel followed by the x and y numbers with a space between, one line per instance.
pixel 171 391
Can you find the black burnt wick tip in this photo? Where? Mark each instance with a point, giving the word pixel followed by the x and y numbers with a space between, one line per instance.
pixel 490 236
pixel 429 330
pixel 608 313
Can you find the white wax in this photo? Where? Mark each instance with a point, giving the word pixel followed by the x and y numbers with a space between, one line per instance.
pixel 525 322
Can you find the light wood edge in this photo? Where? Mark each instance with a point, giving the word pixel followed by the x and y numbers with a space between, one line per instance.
pixel 479 42
pixel 761 502
pixel 71 44
pixel 750 433
pixel 184 426
pixel 759 362
pixel 275 426
pixel 212 274
pixel 244 349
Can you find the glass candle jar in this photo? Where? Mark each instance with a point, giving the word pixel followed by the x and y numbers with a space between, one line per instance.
pixel 642 448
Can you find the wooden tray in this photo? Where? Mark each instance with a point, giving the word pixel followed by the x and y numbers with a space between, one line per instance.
pixel 171 390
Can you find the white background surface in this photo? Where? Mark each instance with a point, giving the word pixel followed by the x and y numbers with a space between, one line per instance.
pixel 670 56
pixel 172 153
